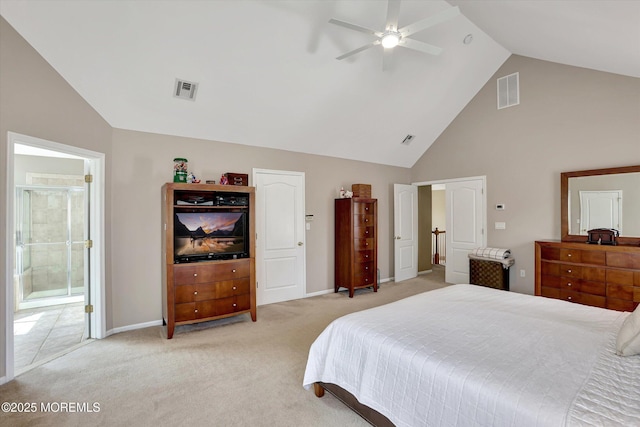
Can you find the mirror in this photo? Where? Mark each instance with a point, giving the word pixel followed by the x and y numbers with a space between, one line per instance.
pixel 601 198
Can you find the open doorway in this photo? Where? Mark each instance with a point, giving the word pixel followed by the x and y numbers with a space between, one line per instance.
pixel 464 224
pixel 55 275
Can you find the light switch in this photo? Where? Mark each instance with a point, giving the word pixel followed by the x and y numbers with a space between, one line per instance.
pixel 308 226
pixel 501 225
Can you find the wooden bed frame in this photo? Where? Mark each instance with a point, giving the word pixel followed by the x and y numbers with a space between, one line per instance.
pixel 372 416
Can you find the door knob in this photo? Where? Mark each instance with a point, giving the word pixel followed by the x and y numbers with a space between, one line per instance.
pixel 398 237
pixel 300 243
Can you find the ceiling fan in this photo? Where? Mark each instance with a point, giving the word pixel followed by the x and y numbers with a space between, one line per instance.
pixel 393 36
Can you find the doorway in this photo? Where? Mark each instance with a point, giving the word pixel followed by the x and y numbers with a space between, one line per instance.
pixel 465 222
pixel 55 261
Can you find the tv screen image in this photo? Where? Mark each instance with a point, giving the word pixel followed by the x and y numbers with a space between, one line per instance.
pixel 202 233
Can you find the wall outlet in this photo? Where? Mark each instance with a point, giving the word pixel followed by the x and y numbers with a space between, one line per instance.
pixel 522 273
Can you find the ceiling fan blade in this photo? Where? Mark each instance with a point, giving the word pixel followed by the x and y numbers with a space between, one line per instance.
pixel 387 59
pixel 355 27
pixel 430 21
pixel 360 49
pixel 393 10
pixel 420 46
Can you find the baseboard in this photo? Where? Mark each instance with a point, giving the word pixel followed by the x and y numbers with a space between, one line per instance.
pixel 330 291
pixel 134 327
pixel 424 272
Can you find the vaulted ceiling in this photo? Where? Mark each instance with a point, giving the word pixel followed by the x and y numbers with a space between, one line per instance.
pixel 268 76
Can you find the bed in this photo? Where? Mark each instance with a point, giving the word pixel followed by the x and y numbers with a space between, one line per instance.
pixel 467 355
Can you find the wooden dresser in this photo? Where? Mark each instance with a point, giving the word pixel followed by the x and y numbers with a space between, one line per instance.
pixel 597 275
pixel 207 284
pixel 356 244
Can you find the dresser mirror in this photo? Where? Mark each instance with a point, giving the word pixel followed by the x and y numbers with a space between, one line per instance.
pixel 601 198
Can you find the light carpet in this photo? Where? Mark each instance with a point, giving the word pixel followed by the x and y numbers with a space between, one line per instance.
pixel 232 372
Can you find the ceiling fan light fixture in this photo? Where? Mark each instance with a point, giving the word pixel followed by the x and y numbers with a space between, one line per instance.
pixel 390 39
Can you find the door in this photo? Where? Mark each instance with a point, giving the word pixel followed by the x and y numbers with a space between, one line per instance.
pixel 600 209
pixel 280 228
pixel 464 204
pixel 405 231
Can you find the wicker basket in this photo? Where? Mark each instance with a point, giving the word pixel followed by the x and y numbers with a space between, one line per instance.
pixel 491 274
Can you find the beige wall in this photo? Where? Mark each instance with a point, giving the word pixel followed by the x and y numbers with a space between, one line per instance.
pixel 36 101
pixel 568 119
pixel 143 162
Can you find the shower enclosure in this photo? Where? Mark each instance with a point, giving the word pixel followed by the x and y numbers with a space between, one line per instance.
pixel 49 245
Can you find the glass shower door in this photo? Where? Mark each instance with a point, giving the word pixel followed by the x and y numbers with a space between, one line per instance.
pixel 50 242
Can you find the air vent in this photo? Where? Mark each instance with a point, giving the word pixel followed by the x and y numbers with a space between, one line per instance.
pixel 508 91
pixel 407 139
pixel 185 90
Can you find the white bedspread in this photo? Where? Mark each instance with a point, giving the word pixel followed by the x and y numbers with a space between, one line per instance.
pixel 468 355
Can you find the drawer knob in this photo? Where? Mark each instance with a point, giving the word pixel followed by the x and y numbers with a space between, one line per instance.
pixel 569 298
pixel 233 271
pixel 195 311
pixel 569 255
pixel 366 244
pixel 569 284
pixel 366 268
pixel 366 256
pixel 195 293
pixel 234 288
pixel 234 304
pixel 568 271
pixel 195 274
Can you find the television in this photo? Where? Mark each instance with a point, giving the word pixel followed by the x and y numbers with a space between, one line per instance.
pixel 202 235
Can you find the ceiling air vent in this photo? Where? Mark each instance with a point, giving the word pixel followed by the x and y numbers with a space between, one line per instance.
pixel 185 90
pixel 407 139
pixel 508 91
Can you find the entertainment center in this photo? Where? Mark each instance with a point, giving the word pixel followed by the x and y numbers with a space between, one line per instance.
pixel 209 253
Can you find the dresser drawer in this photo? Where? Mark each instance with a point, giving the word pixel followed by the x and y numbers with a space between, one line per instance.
pixel 621 277
pixel 229 288
pixel 363 232
pixel 593 257
pixel 363 220
pixel 363 208
pixel 570 255
pixel 185 311
pixel 621 304
pixel 584 286
pixel 623 260
pixel 184 293
pixel 363 244
pixel 363 268
pixel 550 268
pixel 363 256
pixel 551 281
pixel 232 304
pixel 569 270
pixel 550 253
pixel 210 272
pixel 615 290
pixel 550 292
pixel 364 278
pixel 582 298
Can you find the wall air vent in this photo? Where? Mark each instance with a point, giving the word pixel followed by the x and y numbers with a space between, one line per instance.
pixel 407 139
pixel 508 91
pixel 185 90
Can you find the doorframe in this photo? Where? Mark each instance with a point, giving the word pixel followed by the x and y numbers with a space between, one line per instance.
pixel 259 251
pixel 97 227
pixel 484 200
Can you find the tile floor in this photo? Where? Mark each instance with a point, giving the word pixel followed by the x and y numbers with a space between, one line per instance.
pixel 43 333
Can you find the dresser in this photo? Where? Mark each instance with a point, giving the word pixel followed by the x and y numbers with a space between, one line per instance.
pixel 209 253
pixel 597 275
pixel 356 244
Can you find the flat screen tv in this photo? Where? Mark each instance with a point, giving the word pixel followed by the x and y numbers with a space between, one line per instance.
pixel 210 235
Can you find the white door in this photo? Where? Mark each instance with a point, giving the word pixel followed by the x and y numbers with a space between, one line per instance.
pixel 464 203
pixel 280 251
pixel 405 231
pixel 600 209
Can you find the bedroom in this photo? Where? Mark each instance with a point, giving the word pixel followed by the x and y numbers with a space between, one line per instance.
pixel 592 111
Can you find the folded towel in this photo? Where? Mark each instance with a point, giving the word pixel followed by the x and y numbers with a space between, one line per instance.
pixel 493 253
pixel 506 262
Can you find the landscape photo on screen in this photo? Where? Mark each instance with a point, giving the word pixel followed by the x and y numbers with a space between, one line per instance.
pixel 208 233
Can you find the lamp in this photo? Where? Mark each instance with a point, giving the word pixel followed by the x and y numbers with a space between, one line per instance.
pixel 390 39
